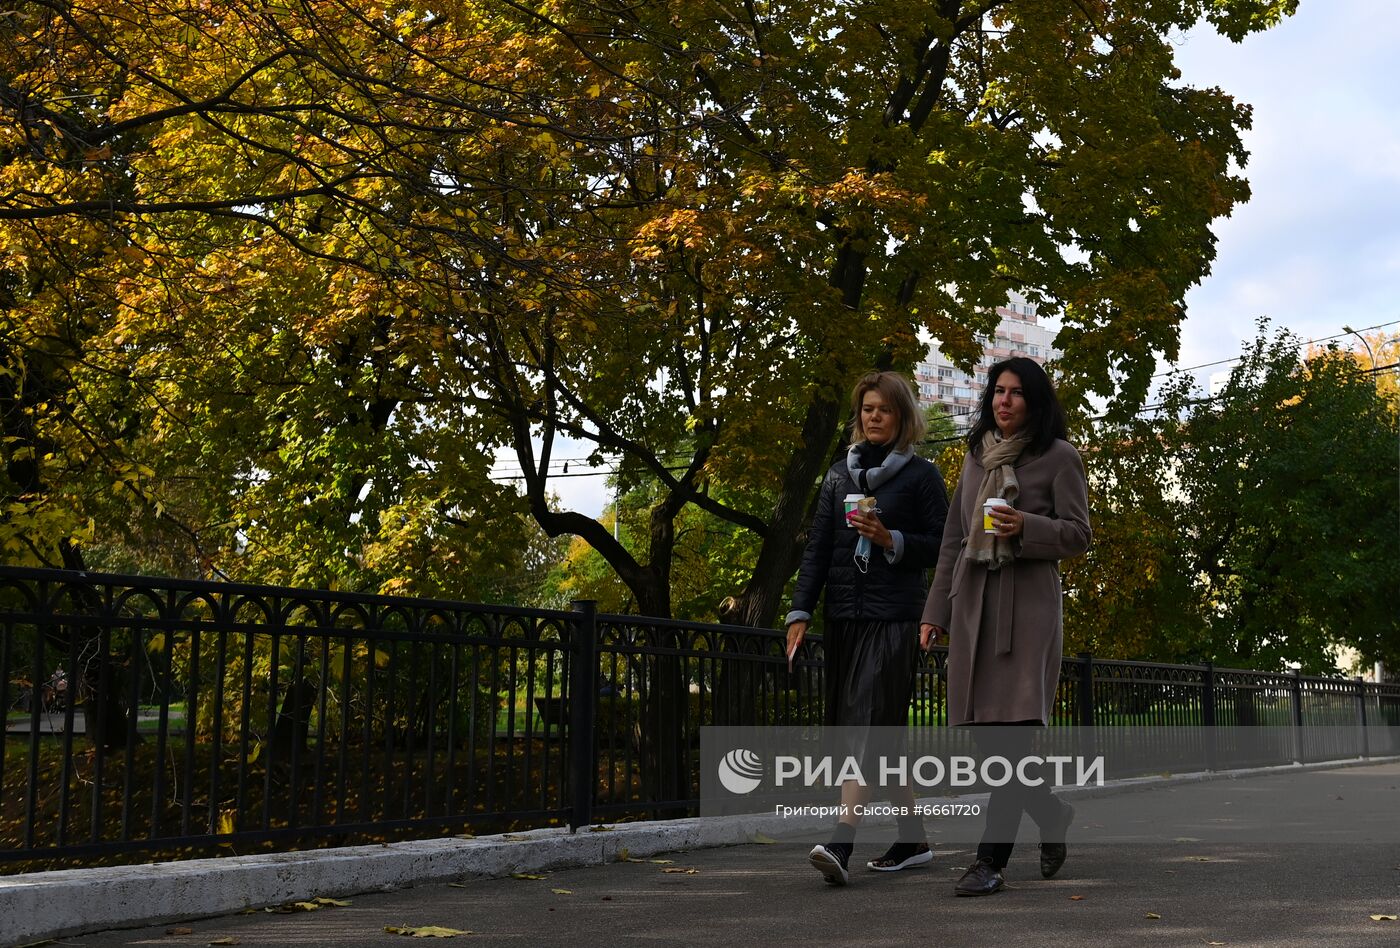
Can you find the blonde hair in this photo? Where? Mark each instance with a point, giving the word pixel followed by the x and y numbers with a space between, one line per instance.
pixel 897 391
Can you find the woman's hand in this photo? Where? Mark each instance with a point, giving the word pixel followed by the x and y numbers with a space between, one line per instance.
pixel 870 527
pixel 1009 521
pixel 796 632
pixel 930 635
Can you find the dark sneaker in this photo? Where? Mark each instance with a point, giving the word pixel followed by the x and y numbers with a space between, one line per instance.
pixel 981 878
pixel 1052 853
pixel 831 863
pixel 902 856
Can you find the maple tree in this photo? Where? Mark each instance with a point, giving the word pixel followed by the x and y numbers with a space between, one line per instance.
pixel 335 254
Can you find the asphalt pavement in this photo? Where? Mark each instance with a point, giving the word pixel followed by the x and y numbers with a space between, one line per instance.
pixel 1252 886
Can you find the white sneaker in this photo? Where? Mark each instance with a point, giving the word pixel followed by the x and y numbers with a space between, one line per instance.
pixel 891 861
pixel 829 865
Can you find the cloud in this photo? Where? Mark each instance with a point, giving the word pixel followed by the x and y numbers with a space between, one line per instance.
pixel 1319 242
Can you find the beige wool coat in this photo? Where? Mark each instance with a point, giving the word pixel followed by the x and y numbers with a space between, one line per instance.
pixel 1006 626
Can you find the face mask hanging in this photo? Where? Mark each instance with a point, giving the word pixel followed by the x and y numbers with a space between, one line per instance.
pixel 865 505
pixel 863 554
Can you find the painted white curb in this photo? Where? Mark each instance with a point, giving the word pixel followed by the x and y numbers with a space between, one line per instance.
pixel 71 901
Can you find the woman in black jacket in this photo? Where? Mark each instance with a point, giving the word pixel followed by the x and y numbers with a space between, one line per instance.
pixel 872 566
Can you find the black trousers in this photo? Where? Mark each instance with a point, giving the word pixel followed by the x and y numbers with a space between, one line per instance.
pixel 1008 802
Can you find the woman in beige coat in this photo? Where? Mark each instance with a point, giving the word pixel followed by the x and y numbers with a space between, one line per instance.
pixel 997 595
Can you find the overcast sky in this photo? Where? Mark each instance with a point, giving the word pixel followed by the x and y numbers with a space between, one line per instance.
pixel 1318 245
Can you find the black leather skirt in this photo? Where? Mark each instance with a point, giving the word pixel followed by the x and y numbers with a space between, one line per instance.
pixel 869 672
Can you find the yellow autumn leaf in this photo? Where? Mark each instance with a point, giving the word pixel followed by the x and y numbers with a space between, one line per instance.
pixel 425 931
pixel 562 891
pixel 527 875
pixel 762 839
pixel 1152 915
pixel 225 940
pixel 1385 918
pixel 322 900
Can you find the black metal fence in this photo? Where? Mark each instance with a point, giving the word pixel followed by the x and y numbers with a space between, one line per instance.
pixel 181 718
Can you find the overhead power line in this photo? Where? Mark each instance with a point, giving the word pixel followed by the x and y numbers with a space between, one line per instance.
pixel 1307 342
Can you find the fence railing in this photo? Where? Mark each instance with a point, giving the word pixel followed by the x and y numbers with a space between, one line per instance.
pixel 183 718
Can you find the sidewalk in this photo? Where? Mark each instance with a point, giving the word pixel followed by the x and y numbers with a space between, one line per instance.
pixel 1185 892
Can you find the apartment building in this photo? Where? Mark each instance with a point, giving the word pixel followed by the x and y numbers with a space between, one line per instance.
pixel 1019 334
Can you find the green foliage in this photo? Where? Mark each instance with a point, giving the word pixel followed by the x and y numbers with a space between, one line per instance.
pixel 289 276
pixel 942 433
pixel 1254 528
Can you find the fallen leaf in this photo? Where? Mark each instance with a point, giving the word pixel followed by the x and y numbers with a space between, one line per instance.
pixel 425 931
pixel 1385 918
pixel 663 862
pixel 306 906
pixel 1076 898
pixel 464 836
pixel 623 854
pixel 762 839
pixel 226 940
pixel 562 891
pixel 322 900
pixel 600 829
pixel 513 836
pixel 1152 915
pixel 683 871
pixel 458 885
pixel 179 931
pixel 1215 943
pixel 532 876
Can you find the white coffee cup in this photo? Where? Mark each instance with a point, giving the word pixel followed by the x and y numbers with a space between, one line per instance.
pixel 988 524
pixel 850 503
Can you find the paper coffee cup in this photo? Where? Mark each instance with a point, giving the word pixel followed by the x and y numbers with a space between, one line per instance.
pixel 851 503
pixel 988 524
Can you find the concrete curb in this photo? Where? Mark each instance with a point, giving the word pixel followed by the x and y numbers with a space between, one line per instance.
pixel 73 901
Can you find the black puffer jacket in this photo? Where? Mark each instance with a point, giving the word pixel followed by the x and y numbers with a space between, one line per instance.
pixel 914 502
